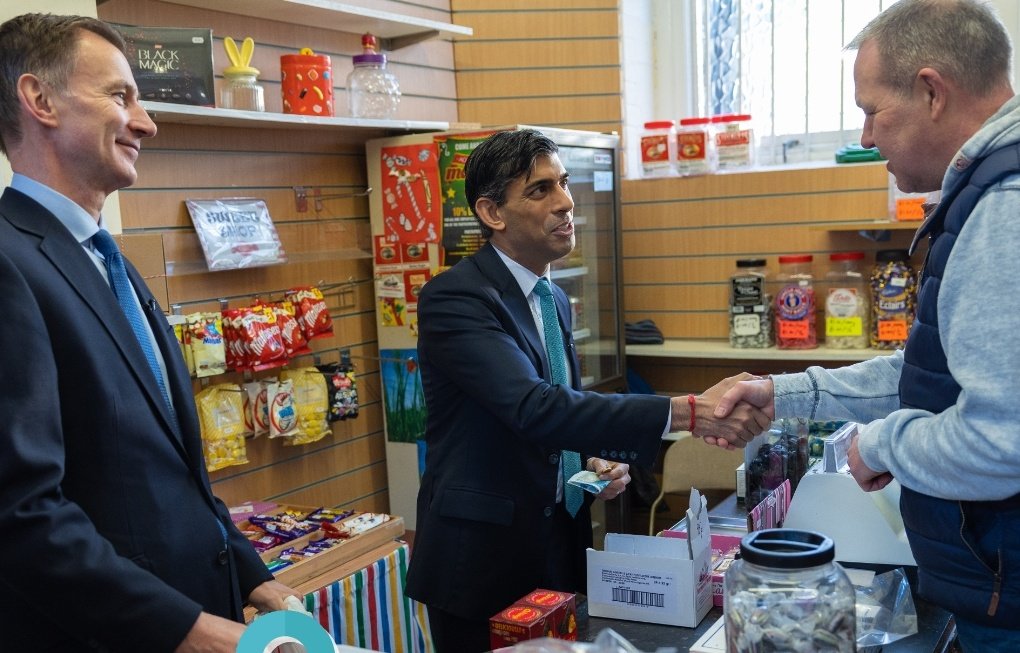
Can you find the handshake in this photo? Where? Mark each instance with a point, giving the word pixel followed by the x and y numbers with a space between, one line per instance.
pixel 729 414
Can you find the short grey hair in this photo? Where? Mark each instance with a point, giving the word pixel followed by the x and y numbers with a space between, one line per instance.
pixel 962 39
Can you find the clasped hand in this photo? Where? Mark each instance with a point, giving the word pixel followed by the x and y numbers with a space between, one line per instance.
pixel 733 411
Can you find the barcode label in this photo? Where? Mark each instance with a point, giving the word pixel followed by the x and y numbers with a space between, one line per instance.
pixel 635 597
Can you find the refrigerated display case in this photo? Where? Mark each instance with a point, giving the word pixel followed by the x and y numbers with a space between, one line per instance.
pixel 421 225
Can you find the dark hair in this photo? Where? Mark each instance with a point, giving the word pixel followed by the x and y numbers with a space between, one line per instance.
pixel 962 39
pixel 498 161
pixel 44 45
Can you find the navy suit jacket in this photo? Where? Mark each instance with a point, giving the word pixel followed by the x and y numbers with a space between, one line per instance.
pixel 110 536
pixel 494 433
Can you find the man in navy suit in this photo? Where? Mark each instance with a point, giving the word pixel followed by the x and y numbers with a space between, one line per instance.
pixel 491 522
pixel 110 537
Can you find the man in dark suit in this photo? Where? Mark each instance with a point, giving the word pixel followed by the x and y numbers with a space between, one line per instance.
pixel 110 537
pixel 492 522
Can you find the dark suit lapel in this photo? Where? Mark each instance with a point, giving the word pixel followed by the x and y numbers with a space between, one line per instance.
pixel 492 266
pixel 67 256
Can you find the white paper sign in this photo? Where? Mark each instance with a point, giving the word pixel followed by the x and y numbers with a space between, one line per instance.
pixel 236 233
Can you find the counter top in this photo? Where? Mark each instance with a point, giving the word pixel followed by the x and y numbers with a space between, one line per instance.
pixel 935 627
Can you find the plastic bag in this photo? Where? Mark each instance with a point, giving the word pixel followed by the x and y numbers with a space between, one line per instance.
pixel 885 610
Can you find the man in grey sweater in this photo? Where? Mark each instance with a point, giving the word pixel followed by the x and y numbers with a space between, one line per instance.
pixel 941 416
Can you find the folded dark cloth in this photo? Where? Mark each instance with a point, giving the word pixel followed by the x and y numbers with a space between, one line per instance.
pixel 642 332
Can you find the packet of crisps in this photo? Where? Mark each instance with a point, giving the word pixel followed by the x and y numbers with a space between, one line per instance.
pixel 207 347
pixel 222 426
pixel 283 422
pixel 312 312
pixel 310 401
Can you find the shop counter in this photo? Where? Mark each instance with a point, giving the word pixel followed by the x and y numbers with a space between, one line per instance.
pixel 936 630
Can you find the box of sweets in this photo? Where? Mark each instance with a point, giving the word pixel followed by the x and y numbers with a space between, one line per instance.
pixel 540 613
pixel 171 64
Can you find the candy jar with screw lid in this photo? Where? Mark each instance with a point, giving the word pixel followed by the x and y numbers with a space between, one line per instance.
pixel 372 90
pixel 787 593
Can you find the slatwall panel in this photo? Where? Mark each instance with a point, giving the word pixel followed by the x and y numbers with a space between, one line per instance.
pixel 539 62
pixel 324 243
pixel 682 236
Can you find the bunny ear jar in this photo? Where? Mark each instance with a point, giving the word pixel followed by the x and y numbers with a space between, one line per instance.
pixel 241 89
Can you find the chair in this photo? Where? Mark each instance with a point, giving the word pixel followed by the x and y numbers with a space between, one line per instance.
pixel 688 463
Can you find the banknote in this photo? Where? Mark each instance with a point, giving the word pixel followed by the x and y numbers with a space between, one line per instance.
pixel 588 481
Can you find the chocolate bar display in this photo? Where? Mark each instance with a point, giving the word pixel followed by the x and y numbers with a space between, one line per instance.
pixel 171 64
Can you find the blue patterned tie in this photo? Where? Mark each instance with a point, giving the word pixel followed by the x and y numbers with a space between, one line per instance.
pixel 573 496
pixel 107 246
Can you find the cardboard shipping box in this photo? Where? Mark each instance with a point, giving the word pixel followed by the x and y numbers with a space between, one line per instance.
pixel 661 580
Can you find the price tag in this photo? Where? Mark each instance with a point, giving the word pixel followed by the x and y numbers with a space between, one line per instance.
pixel 843 326
pixel 794 329
pixel 892 329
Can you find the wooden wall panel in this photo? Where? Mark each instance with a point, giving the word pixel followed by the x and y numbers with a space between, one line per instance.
pixel 682 237
pixel 327 244
pixel 554 63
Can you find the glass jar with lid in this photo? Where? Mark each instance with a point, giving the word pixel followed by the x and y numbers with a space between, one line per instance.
pixel 787 593
pixel 241 89
pixel 893 298
pixel 795 303
pixel 372 90
pixel 847 302
pixel 750 306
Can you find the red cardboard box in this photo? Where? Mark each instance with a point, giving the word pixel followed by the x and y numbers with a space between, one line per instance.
pixel 540 613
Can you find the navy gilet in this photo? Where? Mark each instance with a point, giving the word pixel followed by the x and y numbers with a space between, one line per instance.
pixel 926 381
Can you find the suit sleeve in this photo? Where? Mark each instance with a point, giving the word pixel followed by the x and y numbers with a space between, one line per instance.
pixel 471 337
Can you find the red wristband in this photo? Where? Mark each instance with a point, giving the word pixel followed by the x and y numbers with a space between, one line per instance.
pixel 690 402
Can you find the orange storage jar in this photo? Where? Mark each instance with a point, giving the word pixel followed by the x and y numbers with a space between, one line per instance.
pixel 306 80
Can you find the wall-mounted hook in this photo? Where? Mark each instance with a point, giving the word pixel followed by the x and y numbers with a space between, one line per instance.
pixel 302 193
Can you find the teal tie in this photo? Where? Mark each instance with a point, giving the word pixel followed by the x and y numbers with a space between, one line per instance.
pixel 107 246
pixel 573 496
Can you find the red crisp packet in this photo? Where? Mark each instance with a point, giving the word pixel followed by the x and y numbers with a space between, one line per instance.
pixel 230 345
pixel 312 312
pixel 262 338
pixel 290 328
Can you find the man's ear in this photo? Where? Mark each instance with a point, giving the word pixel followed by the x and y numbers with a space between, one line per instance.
pixel 487 211
pixel 36 99
pixel 933 85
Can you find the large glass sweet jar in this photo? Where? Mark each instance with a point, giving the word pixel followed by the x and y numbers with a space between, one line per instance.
pixel 847 302
pixel 787 593
pixel 795 303
pixel 372 90
pixel 893 298
pixel 750 306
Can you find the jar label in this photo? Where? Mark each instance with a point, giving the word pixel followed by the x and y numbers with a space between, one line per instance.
pixel 843 302
pixel 655 149
pixel 747 291
pixel 892 330
pixel 691 146
pixel 841 327
pixel 794 302
pixel 746 325
pixel 794 330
